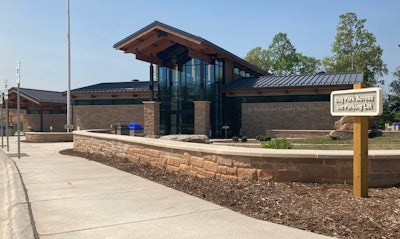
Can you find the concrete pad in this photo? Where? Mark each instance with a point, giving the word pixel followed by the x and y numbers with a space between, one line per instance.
pixel 208 224
pixel 72 197
pixel 74 214
pixel 4 232
pixel 86 187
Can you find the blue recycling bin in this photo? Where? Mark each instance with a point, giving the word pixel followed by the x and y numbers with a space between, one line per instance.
pixel 10 131
pixel 135 129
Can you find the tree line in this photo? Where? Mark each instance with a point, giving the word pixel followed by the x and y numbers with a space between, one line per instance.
pixel 354 49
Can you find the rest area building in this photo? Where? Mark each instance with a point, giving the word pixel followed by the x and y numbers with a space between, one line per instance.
pixel 195 87
pixel 198 87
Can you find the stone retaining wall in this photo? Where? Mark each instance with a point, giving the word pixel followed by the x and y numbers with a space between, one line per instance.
pixel 45 137
pixel 236 163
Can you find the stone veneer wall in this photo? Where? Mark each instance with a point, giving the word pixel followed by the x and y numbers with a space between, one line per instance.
pixel 151 118
pixel 31 122
pixel 235 163
pixel 57 121
pixel 102 116
pixel 259 117
pixel 45 137
pixel 202 117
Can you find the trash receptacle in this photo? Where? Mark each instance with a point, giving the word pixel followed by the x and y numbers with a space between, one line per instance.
pixel 397 126
pixel 135 129
pixel 9 132
pixel 120 128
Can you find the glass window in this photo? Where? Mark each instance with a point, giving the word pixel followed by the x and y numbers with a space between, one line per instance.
pixel 83 102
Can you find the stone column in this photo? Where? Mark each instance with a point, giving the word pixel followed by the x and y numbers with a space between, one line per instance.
pixel 151 119
pixel 202 117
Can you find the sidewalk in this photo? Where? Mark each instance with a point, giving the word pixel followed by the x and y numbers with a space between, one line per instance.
pixel 72 197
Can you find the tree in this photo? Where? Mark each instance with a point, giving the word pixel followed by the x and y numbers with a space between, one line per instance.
pixel 282 55
pixel 258 57
pixel 394 96
pixel 391 103
pixel 355 50
pixel 395 84
pixel 307 64
pixel 281 58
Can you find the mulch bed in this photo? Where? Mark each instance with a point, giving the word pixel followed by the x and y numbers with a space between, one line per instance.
pixel 328 209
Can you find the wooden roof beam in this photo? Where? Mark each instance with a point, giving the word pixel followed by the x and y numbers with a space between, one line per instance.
pixel 149 58
pixel 199 55
pixel 160 46
pixel 147 42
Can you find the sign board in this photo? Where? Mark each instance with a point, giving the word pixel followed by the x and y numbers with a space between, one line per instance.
pixel 68 126
pixel 359 102
pixel 225 127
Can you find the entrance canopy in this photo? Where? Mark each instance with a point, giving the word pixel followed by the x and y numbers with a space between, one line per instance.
pixel 164 45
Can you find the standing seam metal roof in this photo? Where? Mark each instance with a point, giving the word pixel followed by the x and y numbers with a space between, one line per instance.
pixel 43 96
pixel 116 87
pixel 336 79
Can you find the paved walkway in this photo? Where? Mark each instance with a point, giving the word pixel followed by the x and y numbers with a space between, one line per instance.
pixel 72 197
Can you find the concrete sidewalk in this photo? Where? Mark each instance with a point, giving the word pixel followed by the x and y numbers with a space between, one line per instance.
pixel 72 197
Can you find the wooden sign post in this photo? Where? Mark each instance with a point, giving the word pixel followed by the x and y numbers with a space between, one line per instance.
pixel 359 103
pixel 360 154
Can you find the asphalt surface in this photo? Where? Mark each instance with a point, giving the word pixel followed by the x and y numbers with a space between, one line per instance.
pixel 61 196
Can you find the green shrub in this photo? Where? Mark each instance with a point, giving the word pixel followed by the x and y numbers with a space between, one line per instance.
pixel 277 144
pixel 243 139
pixel 235 139
pixel 263 138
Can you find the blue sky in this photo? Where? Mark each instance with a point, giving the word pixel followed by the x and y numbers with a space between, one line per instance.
pixel 34 32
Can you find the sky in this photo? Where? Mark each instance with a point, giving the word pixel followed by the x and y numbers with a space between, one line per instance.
pixel 34 32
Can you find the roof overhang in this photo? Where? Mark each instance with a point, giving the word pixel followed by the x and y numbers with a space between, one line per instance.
pixel 164 45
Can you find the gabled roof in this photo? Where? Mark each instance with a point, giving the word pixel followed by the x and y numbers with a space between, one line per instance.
pixel 155 42
pixel 295 81
pixel 41 96
pixel 116 87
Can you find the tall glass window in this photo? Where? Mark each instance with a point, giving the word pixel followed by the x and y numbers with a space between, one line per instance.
pixel 179 87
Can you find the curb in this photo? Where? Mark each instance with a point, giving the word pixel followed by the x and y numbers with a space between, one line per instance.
pixel 20 219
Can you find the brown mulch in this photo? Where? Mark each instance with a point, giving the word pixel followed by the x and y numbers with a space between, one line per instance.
pixel 328 209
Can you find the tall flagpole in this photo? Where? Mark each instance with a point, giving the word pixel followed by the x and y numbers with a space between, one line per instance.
pixel 7 114
pixel 18 110
pixel 69 72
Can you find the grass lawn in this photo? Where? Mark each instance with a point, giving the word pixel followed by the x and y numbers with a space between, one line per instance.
pixel 390 142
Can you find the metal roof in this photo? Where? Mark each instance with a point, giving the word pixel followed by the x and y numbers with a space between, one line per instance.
pixel 295 81
pixel 42 96
pixel 116 87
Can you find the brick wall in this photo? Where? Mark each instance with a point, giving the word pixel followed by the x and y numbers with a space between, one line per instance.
pixel 235 163
pixel 102 116
pixel 259 117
